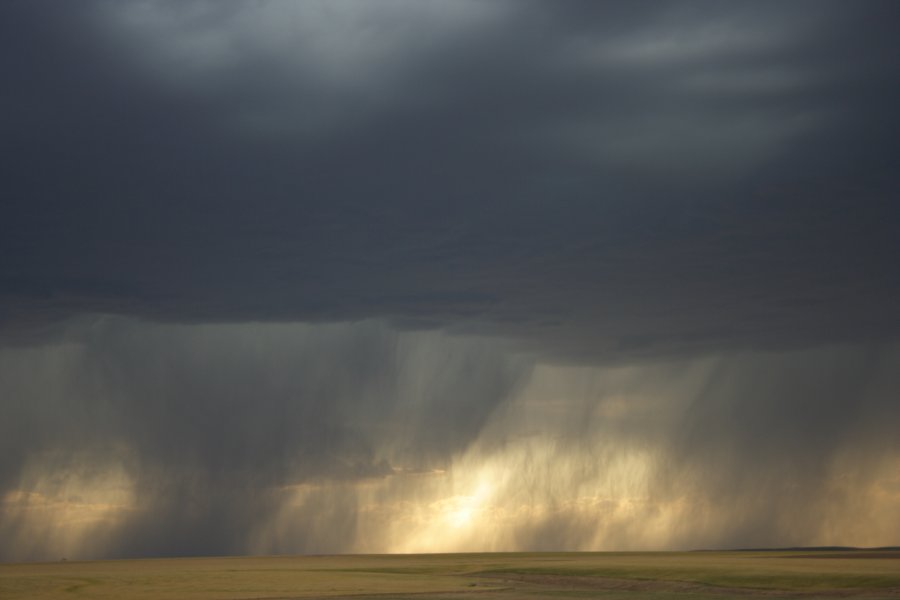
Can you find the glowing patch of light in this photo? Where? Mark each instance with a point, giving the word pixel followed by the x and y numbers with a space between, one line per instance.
pixel 70 508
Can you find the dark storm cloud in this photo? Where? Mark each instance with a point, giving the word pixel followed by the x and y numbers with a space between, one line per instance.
pixel 606 179
pixel 596 181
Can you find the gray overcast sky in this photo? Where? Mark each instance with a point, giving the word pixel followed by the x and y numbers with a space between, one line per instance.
pixel 605 178
pixel 250 247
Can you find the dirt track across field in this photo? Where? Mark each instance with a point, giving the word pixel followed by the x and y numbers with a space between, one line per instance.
pixel 895 554
pixel 653 587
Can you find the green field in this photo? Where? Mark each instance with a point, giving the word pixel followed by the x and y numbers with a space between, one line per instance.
pixel 670 575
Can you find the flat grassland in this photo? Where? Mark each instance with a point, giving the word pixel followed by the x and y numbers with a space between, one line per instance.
pixel 611 575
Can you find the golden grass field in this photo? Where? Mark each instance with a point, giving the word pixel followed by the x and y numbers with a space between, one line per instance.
pixel 632 575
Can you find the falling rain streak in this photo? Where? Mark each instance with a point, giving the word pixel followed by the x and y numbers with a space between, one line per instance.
pixel 357 438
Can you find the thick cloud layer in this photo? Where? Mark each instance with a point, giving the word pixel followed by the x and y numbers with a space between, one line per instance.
pixel 605 179
pixel 312 276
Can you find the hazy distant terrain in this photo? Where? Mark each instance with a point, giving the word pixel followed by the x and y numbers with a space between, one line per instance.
pixel 672 575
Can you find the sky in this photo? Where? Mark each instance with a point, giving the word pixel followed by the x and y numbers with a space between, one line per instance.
pixel 415 276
